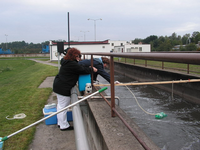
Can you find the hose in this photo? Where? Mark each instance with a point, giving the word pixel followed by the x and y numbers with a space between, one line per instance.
pixel 138 103
pixel 17 116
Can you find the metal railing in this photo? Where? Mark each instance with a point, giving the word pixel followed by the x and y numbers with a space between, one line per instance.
pixel 183 68
pixel 187 58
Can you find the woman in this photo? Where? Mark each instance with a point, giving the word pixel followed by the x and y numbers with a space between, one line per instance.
pixel 100 64
pixel 65 80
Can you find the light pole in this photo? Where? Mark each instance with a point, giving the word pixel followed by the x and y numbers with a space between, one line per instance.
pixel 6 40
pixel 77 37
pixel 95 26
pixel 84 33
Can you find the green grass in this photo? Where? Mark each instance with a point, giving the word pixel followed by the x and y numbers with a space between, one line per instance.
pixel 19 93
pixel 180 67
pixel 29 57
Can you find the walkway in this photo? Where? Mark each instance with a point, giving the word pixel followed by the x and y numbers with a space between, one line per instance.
pixel 49 137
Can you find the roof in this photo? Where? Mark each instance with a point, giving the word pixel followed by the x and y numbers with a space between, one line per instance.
pixel 84 43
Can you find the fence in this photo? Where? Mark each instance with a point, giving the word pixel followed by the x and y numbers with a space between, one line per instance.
pixel 185 58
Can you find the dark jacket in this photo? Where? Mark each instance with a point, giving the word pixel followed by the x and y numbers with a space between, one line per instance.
pixel 97 63
pixel 68 76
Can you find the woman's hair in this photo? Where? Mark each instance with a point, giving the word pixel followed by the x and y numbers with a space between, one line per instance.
pixel 72 53
pixel 105 60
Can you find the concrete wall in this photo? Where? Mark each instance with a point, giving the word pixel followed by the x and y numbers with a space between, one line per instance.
pixel 109 133
pixel 188 91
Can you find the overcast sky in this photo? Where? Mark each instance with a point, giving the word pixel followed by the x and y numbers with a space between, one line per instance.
pixel 43 20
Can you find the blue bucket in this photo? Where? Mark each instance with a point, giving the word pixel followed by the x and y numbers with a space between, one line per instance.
pixel 83 79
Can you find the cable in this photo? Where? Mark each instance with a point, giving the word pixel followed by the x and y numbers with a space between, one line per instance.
pixel 17 116
pixel 157 114
pixel 138 103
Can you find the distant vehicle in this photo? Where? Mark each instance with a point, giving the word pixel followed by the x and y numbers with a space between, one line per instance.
pixel 8 51
pixel 45 49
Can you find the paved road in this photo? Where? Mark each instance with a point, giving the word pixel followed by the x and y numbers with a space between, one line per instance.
pixel 45 62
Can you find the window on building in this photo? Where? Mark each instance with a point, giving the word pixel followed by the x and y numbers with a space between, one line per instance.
pixel 140 49
pixel 112 44
pixel 121 44
pixel 103 46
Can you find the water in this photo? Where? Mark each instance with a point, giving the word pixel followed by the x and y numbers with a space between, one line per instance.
pixel 180 130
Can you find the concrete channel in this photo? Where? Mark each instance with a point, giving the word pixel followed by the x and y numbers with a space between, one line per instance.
pixel 106 132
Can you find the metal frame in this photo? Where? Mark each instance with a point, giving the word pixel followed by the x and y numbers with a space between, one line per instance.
pixel 187 58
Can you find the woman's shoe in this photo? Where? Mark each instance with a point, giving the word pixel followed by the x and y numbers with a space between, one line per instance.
pixel 69 128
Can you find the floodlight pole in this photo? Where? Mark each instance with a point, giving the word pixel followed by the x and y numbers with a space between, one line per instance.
pixel 84 33
pixel 95 26
pixel 68 31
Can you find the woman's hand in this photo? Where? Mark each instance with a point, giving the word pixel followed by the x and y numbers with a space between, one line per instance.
pixel 95 69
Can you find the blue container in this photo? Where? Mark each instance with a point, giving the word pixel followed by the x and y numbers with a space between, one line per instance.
pixel 53 120
pixel 69 116
pixel 83 79
pixel 1 144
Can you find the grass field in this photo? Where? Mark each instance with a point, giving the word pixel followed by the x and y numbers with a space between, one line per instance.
pixel 193 69
pixel 19 93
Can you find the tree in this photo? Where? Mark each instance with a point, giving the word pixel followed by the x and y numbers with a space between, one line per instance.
pixel 185 39
pixel 191 47
pixel 194 34
pixel 197 38
pixel 150 39
pixel 137 40
pixel 173 36
pixel 165 46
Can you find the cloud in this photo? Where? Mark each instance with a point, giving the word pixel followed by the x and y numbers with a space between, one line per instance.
pixel 41 20
pixel 184 28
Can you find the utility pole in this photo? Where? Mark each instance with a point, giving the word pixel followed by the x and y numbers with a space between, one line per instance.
pixel 84 33
pixel 95 26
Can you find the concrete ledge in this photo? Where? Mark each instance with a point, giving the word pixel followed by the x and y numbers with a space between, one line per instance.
pixel 109 133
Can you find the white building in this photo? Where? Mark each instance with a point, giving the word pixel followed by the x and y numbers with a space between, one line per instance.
pixel 129 47
pixel 94 46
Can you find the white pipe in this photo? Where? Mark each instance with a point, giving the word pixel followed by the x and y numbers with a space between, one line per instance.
pixel 79 130
pixel 6 137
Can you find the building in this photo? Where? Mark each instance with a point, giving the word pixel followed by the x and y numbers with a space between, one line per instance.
pixel 177 47
pixel 7 51
pixel 129 47
pixel 93 46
